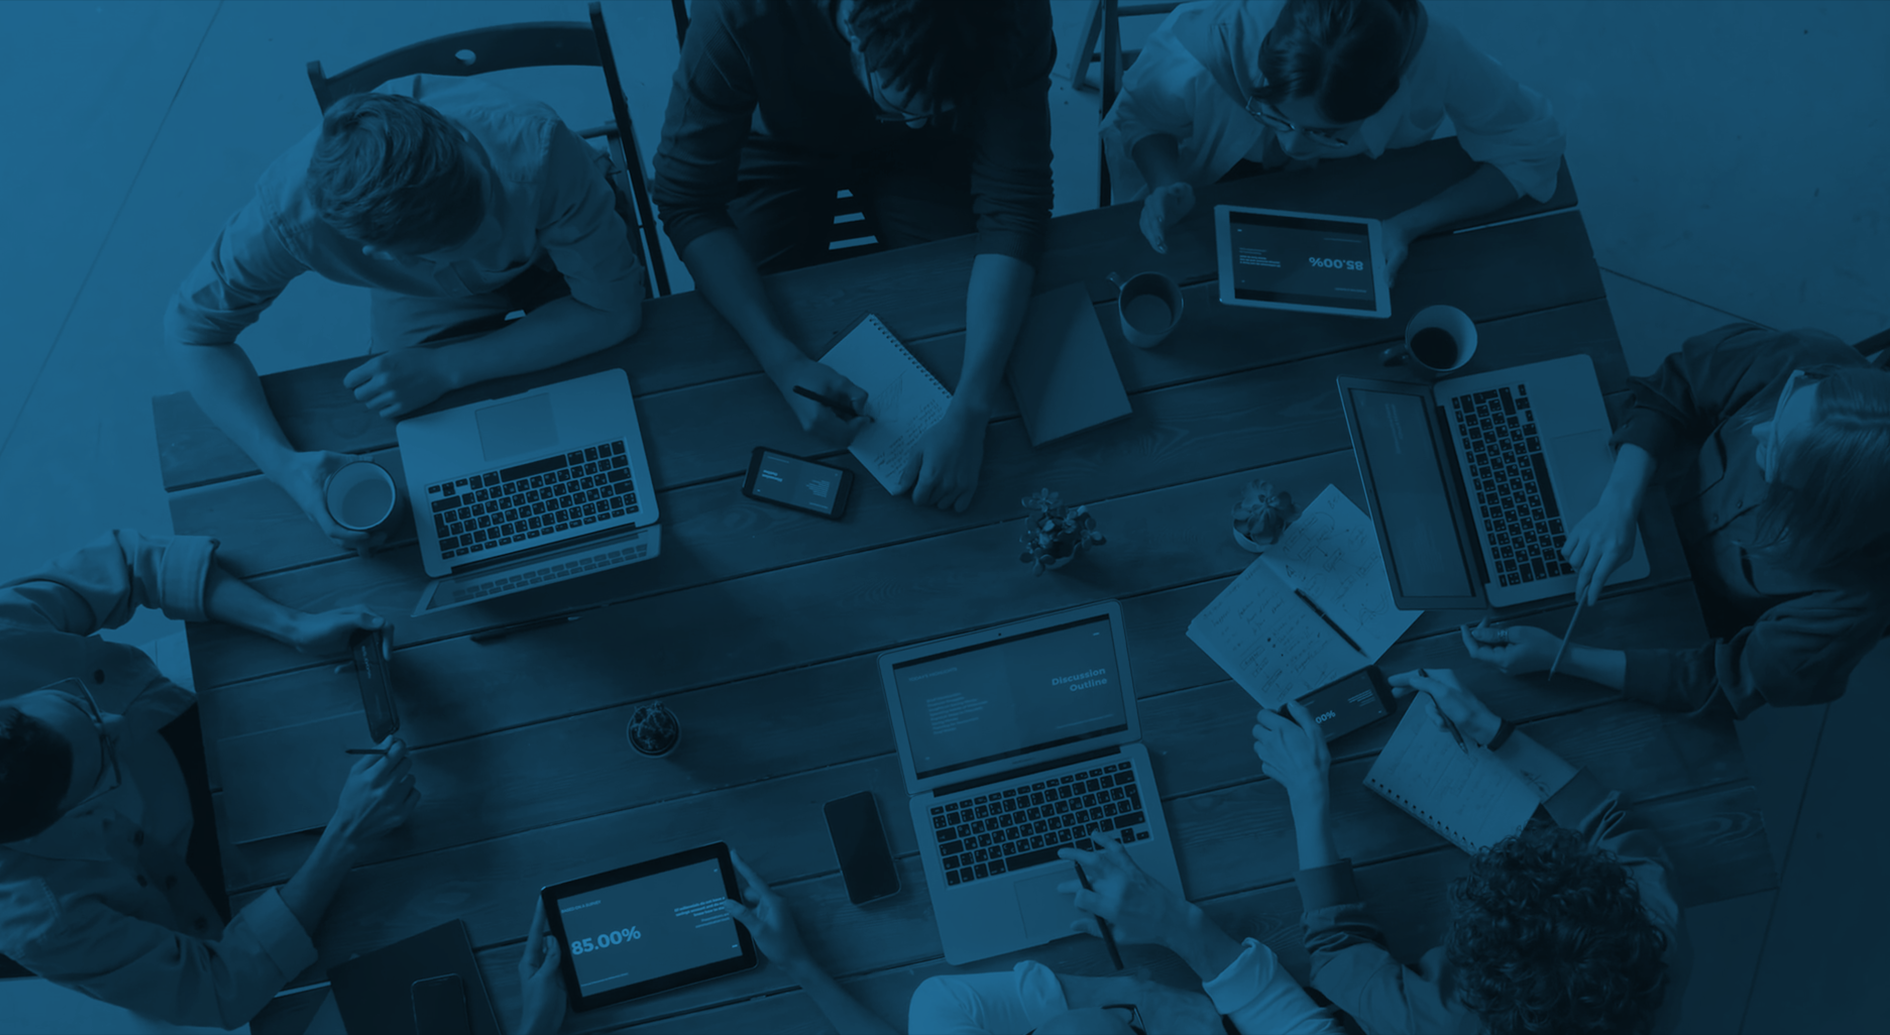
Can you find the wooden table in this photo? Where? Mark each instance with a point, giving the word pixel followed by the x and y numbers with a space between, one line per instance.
pixel 519 745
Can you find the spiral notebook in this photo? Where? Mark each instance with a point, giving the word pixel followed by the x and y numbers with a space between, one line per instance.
pixel 902 397
pixel 1471 798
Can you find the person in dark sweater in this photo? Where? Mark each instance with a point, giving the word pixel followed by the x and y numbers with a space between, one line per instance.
pixel 935 115
pixel 1775 447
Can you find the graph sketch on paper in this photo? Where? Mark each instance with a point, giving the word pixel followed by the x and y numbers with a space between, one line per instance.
pixel 1331 554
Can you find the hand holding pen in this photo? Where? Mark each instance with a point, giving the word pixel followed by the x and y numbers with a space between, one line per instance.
pixel 1514 649
pixel 1125 905
pixel 1457 710
pixel 828 406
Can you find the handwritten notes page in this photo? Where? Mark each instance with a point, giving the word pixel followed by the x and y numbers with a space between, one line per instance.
pixel 1471 798
pixel 1273 645
pixel 902 397
pixel 1330 553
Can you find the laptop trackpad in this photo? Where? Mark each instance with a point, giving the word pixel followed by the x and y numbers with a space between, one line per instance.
pixel 522 425
pixel 1047 912
pixel 1581 464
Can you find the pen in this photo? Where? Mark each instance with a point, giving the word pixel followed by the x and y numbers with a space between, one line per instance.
pixel 1572 619
pixel 1115 955
pixel 1328 620
pixel 365 751
pixel 1455 734
pixel 841 407
pixel 496 635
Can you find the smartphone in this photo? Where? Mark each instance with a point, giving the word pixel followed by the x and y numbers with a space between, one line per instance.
pixel 1352 703
pixel 859 842
pixel 439 1006
pixel 800 484
pixel 373 664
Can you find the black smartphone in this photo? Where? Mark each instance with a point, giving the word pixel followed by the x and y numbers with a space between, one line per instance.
pixel 859 841
pixel 439 1006
pixel 801 484
pixel 373 664
pixel 1352 703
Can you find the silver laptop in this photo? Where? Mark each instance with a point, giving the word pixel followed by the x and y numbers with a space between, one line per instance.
pixel 533 488
pixel 1475 482
pixel 1015 742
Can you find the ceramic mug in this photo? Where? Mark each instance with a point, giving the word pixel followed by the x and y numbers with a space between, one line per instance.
pixel 1148 306
pixel 1438 340
pixel 362 497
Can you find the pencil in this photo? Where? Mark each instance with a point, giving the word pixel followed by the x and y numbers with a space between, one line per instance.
pixel 496 635
pixel 365 751
pixel 841 407
pixel 1449 725
pixel 1115 954
pixel 1572 619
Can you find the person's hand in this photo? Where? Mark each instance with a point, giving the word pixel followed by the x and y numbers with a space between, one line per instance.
pixel 816 418
pixel 1162 209
pixel 1292 749
pixel 304 476
pixel 403 380
pixel 328 633
pixel 378 796
pixel 943 471
pixel 1600 542
pixel 1397 244
pixel 540 986
pixel 1449 699
pixel 1140 909
pixel 767 918
pixel 1515 649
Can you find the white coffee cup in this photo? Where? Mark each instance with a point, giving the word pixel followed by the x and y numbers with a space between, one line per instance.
pixel 361 496
pixel 1448 348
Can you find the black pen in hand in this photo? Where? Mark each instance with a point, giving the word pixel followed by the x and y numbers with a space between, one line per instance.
pixel 1449 725
pixel 1109 940
pixel 841 407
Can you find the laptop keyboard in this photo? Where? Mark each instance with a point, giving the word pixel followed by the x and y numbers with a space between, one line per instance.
pixel 985 835
pixel 482 512
pixel 552 571
pixel 1509 478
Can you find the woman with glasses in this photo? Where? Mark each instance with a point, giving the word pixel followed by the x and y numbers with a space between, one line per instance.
pixel 1775 450
pixel 1228 89
pixel 95 818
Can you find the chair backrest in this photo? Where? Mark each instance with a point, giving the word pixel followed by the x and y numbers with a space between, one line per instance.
pixel 1104 27
pixel 500 48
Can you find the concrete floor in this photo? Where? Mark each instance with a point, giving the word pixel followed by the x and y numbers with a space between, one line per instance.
pixel 1729 157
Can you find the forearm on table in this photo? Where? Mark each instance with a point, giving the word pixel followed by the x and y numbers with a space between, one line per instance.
pixel 847 1015
pixel 995 300
pixel 1312 828
pixel 1632 473
pixel 224 383
pixel 1595 664
pixel 727 277
pixel 555 333
pixel 309 893
pixel 232 601
pixel 1158 156
pixel 1481 192
pixel 1202 945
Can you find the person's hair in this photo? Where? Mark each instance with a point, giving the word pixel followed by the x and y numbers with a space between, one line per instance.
pixel 946 51
pixel 1344 54
pixel 1823 513
pixel 390 171
pixel 35 772
pixel 1548 935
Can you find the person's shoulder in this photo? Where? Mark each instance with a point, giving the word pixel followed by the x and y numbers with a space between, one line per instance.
pixel 282 189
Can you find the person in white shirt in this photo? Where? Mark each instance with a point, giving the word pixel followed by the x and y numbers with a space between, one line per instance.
pixel 1243 981
pixel 1274 83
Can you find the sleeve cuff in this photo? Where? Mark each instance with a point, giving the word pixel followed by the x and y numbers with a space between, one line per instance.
pixel 1040 992
pixel 1018 244
pixel 1648 430
pixel 1577 800
pixel 279 934
pixel 1649 679
pixel 182 578
pixel 1327 886
pixel 1235 986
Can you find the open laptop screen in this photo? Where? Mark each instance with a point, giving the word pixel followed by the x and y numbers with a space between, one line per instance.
pixel 1401 456
pixel 996 700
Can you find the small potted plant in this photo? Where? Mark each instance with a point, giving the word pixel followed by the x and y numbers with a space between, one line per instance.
pixel 1054 533
pixel 653 729
pixel 1262 513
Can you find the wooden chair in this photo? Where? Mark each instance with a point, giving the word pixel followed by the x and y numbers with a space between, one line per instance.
pixel 853 231
pixel 528 45
pixel 1105 23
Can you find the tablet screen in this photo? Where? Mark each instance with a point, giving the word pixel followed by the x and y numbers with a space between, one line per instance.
pixel 1300 261
pixel 648 928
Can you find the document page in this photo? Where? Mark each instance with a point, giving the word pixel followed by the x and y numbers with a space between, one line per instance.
pixel 1468 796
pixel 902 397
pixel 1277 648
pixel 1330 553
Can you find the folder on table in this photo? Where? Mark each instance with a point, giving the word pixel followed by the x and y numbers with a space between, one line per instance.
pixel 1061 371
pixel 375 992
pixel 287 780
pixel 1468 796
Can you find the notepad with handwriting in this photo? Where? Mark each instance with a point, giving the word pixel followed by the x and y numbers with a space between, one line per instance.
pixel 902 397
pixel 1468 796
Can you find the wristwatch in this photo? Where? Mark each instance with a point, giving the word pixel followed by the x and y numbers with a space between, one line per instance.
pixel 1503 730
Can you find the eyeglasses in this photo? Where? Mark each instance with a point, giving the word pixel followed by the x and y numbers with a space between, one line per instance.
pixel 81 698
pixel 1270 115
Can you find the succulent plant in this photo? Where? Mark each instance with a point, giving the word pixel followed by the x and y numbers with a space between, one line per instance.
pixel 1263 512
pixel 1053 533
pixel 654 729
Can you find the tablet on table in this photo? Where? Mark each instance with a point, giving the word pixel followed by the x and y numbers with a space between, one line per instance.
pixel 1301 261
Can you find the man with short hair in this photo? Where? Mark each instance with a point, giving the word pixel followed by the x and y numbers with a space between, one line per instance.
pixel 95 817
pixel 457 203
pixel 934 114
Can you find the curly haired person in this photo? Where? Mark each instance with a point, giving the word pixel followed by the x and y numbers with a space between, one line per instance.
pixel 1567 927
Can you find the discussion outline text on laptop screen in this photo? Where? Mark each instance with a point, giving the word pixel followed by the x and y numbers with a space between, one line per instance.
pixel 998 700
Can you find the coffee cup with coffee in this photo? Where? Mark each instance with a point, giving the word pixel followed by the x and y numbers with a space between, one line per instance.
pixel 1148 306
pixel 1438 340
pixel 362 497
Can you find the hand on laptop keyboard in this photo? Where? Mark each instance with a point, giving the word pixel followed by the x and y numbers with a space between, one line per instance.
pixel 1139 908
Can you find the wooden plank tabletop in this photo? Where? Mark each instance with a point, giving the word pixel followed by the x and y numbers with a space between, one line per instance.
pixel 519 746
